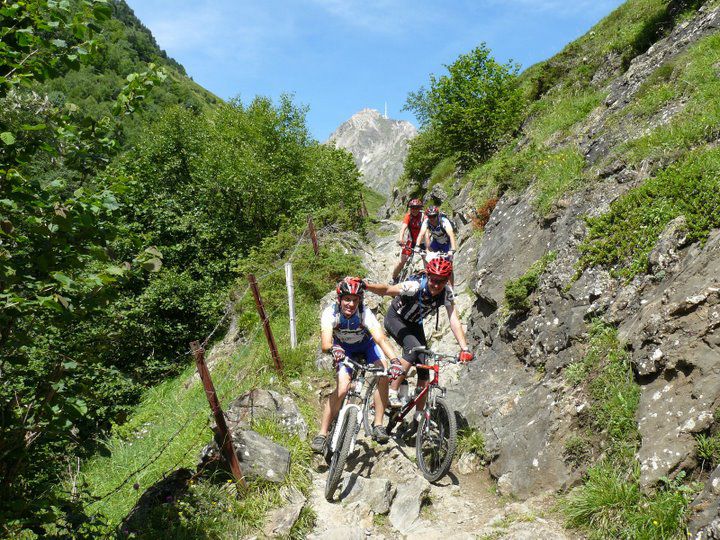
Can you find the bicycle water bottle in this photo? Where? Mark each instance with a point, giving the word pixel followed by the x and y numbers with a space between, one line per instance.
pixel 403 393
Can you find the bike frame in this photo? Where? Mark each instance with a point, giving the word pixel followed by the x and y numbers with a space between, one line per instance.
pixel 434 382
pixel 352 408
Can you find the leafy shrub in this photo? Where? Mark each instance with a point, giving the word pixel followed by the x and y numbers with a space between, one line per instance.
pixel 708 449
pixel 425 151
pixel 472 441
pixel 518 291
pixel 442 173
pixel 482 214
pixel 623 238
pixel 472 109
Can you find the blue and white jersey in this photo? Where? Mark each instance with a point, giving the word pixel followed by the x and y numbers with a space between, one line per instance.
pixel 350 331
pixel 438 234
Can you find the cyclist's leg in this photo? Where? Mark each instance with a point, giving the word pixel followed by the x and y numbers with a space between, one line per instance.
pixel 396 327
pixel 333 403
pixel 399 265
pixel 374 356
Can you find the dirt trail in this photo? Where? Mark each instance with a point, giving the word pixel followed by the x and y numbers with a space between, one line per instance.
pixel 457 506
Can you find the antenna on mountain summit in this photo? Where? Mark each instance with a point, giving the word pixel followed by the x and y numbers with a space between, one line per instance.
pixel 386 110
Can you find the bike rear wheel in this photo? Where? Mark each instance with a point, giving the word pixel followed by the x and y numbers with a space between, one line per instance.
pixel 436 441
pixel 339 457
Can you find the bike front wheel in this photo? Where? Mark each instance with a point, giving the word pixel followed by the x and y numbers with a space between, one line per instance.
pixel 369 407
pixel 339 457
pixel 436 441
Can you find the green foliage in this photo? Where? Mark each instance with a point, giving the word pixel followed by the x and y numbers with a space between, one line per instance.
pixel 424 152
pixel 610 504
pixel 559 111
pixel 373 201
pixel 443 173
pixel 472 441
pixel 177 407
pixel 708 449
pixel 623 238
pixel 518 291
pixel 694 77
pixel 577 450
pixel 473 109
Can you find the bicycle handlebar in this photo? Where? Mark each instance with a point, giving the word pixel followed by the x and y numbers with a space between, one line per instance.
pixel 450 358
pixel 349 362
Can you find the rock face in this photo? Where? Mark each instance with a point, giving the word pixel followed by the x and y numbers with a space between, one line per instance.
pixel 378 144
pixel 516 392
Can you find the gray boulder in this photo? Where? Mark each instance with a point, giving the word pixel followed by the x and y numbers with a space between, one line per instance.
pixel 376 493
pixel 280 521
pixel 259 457
pixel 405 508
pixel 262 404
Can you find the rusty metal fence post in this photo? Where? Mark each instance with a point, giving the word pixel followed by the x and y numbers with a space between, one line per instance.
pixel 266 324
pixel 313 236
pixel 225 442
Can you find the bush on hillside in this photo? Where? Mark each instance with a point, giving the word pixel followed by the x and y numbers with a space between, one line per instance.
pixel 473 109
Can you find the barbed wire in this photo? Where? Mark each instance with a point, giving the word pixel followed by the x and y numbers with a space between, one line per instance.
pixel 250 341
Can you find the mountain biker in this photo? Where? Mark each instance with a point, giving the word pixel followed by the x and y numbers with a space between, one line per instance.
pixel 412 222
pixel 437 233
pixel 349 328
pixel 415 299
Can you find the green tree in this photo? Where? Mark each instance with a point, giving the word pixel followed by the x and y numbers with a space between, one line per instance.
pixel 472 109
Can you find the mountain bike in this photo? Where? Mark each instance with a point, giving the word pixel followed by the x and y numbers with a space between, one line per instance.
pixel 436 437
pixel 407 269
pixel 343 434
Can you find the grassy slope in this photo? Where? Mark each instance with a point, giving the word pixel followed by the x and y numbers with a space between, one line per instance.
pixel 565 89
pixel 178 412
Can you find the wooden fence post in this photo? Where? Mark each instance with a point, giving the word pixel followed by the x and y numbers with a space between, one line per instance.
pixel 291 302
pixel 313 236
pixel 265 323
pixel 224 440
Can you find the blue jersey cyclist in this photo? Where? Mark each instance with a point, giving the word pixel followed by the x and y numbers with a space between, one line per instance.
pixel 348 328
pixel 437 232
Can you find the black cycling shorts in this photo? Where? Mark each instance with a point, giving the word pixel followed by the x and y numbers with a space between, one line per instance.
pixel 408 335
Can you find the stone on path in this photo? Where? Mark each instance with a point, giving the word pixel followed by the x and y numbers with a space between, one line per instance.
pixel 376 493
pixel 405 508
pixel 279 521
pixel 260 404
pixel 340 533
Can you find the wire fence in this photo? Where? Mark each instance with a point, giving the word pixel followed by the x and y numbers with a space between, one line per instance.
pixel 249 341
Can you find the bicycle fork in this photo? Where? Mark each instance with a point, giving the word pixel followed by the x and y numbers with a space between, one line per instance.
pixel 348 409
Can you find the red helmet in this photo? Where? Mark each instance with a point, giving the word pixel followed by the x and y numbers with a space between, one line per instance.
pixel 350 285
pixel 432 211
pixel 415 203
pixel 439 267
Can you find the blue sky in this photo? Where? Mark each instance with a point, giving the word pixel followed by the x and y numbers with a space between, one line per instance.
pixel 340 56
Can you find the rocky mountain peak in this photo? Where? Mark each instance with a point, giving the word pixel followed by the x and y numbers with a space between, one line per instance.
pixel 378 144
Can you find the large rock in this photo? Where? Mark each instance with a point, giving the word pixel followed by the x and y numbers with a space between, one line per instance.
pixel 405 508
pixel 280 521
pixel 259 457
pixel 675 347
pixel 376 493
pixel 263 404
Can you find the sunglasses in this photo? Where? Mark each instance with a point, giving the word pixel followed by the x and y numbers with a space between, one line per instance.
pixel 438 281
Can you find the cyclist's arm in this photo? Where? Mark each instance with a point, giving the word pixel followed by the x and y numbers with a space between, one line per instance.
pixel 383 290
pixel 326 330
pixel 403 229
pixel 382 341
pixel 456 326
pixel 423 233
pixel 451 234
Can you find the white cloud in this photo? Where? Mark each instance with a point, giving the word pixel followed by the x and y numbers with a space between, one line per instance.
pixel 380 16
